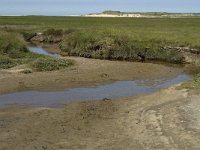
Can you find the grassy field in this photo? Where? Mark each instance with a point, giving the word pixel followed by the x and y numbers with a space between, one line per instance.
pixel 182 30
pixel 114 38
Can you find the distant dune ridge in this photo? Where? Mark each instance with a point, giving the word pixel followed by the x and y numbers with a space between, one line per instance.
pixel 110 13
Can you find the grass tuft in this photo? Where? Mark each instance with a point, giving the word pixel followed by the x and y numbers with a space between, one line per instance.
pixel 50 64
pixel 6 62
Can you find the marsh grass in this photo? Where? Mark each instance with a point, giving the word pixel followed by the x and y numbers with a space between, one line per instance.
pixel 183 31
pixel 112 38
pixel 13 52
pixel 109 45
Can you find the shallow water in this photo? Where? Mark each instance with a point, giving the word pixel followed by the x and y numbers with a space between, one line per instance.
pixel 113 90
pixel 40 50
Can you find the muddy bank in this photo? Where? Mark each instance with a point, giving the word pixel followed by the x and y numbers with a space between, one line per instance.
pixel 85 72
pixel 117 89
pixel 167 119
pixel 163 120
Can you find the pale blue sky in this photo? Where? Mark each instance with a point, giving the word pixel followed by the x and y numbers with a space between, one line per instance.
pixel 78 7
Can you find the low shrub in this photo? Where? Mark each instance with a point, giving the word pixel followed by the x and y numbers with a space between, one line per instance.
pixel 6 62
pixel 50 64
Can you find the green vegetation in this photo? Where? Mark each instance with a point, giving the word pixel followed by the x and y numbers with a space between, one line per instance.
pixel 54 32
pixel 13 52
pixel 50 36
pixel 111 38
pixel 193 84
pixel 108 45
pixel 28 35
pixel 6 62
pixel 12 45
pixel 50 64
pixel 183 31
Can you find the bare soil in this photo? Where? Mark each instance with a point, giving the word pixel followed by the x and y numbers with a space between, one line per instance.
pixel 168 119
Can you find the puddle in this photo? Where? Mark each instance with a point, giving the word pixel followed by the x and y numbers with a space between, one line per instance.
pixel 114 90
pixel 40 50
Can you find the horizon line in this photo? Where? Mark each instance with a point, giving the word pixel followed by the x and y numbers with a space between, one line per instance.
pixel 104 11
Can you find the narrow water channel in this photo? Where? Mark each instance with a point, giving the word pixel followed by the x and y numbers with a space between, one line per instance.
pixel 114 90
pixel 40 50
pixel 109 91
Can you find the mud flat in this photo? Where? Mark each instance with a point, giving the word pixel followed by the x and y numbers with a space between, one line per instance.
pixel 85 73
pixel 167 119
pixel 164 120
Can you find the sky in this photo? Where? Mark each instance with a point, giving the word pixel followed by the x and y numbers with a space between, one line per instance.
pixel 81 7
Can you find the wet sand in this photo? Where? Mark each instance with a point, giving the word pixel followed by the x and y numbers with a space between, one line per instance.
pixel 168 119
pixel 164 120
